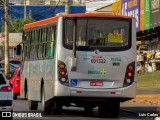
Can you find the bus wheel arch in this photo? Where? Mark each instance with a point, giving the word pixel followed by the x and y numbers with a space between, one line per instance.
pixel 42 85
pixel 25 89
pixel 33 105
pixel 46 105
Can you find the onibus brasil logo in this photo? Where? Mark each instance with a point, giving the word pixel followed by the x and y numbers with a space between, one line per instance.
pixel 101 72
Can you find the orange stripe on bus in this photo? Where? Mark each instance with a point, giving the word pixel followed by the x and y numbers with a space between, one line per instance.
pixel 41 23
pixel 55 19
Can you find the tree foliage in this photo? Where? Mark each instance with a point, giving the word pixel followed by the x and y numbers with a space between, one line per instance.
pixel 18 24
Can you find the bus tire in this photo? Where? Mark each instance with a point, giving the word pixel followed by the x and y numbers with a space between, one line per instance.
pixel 110 110
pixel 46 105
pixel 57 107
pixel 88 109
pixel 33 105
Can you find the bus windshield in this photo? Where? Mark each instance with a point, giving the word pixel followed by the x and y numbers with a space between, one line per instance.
pixel 102 33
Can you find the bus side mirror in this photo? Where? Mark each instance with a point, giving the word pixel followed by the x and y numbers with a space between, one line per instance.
pixel 18 50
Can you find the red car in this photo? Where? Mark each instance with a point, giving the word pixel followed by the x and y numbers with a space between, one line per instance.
pixel 15 82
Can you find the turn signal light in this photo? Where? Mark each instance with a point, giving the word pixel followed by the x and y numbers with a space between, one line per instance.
pixel 61 66
pixel 130 67
pixel 62 72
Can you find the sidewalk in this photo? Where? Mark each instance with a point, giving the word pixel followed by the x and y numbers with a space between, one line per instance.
pixel 148 91
pixel 147 96
pixel 146 99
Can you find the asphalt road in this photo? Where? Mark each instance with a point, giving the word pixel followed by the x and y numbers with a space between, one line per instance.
pixel 127 112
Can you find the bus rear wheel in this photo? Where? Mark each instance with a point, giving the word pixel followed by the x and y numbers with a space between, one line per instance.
pixel 88 109
pixel 46 105
pixel 110 110
pixel 33 105
pixel 57 107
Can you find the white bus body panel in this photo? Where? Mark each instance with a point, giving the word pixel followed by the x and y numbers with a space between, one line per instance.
pixel 113 78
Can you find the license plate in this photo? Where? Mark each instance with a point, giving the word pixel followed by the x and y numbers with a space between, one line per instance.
pixel 96 83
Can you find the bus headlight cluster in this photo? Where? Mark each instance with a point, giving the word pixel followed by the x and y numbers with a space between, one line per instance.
pixel 129 77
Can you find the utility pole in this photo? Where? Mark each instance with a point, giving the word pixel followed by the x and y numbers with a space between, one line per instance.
pixel 25 9
pixel 6 38
pixel 67 7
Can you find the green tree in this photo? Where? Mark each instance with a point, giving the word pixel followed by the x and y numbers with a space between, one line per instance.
pixel 1 2
pixel 17 24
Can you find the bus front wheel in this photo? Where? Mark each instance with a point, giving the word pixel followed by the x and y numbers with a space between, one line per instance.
pixel 46 105
pixel 110 110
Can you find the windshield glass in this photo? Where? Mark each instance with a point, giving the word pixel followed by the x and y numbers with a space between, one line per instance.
pixel 98 33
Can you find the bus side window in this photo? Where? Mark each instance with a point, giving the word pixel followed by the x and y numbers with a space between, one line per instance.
pixel 28 45
pixel 52 42
pixel 40 44
pixel 44 34
pixel 36 43
pixel 47 40
pixel 32 45
pixel 25 46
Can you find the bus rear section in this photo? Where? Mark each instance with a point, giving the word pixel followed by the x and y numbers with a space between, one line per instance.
pixel 98 55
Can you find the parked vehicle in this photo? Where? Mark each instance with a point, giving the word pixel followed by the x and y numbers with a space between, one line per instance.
pixel 6 97
pixel 15 62
pixel 12 67
pixel 15 82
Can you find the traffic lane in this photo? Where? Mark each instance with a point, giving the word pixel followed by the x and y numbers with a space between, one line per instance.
pixel 73 113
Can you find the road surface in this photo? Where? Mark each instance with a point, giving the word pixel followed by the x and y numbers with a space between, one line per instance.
pixel 128 112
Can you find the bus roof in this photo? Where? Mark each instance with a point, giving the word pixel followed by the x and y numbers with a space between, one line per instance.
pixel 55 19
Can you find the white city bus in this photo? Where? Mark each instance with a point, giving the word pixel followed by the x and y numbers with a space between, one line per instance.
pixel 86 60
